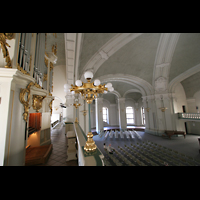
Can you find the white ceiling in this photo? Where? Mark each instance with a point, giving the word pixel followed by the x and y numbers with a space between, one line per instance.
pixel 136 59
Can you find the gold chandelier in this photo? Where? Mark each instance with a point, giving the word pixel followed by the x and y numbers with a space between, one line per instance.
pixel 89 92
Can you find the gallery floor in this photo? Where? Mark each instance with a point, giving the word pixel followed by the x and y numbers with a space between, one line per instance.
pixel 59 152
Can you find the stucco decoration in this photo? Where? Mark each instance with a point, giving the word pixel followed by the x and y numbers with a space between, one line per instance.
pixel 160 84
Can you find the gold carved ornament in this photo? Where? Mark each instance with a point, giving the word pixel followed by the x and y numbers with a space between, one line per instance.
pixel 37 102
pixel 50 105
pixel 88 90
pixel 25 102
pixel 147 109
pixel 163 109
pixel 45 77
pixel 4 45
pixel 22 70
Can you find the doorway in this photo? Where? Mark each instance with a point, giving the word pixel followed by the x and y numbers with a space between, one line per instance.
pixel 184 109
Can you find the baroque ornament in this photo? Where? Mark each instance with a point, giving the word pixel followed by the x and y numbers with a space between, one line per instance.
pixel 161 84
pixel 25 102
pixel 37 102
pixel 4 45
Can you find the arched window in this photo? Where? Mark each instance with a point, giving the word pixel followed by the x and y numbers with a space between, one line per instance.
pixel 105 114
pixel 143 116
pixel 130 115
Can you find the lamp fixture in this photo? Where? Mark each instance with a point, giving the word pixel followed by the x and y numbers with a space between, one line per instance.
pixel 163 109
pixel 89 92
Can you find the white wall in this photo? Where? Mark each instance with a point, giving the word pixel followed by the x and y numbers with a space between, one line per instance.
pixel 194 127
pixel 180 99
pixel 113 114
pixel 197 100
pixel 59 80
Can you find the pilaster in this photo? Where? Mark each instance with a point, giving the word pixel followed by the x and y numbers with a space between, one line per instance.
pixel 99 115
pixel 122 113
pixel 160 113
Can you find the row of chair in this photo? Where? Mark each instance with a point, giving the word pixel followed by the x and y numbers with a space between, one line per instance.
pixel 164 153
pixel 149 153
pixel 122 134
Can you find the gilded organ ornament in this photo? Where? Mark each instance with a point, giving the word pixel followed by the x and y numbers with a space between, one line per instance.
pixel 4 45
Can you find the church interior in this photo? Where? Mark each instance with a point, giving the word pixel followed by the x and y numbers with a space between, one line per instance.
pixel 99 99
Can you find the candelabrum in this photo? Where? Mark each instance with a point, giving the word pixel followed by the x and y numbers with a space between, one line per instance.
pixel 89 92
pixel 163 109
pixel 76 105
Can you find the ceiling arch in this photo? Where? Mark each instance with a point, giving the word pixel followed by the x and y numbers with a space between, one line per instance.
pixel 136 96
pixel 131 91
pixel 143 86
pixel 111 97
pixel 164 55
pixel 107 50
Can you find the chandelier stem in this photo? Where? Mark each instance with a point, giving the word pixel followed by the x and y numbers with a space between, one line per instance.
pixel 89 118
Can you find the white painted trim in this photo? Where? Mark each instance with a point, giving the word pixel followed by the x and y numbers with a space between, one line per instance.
pixel 164 55
pixel 143 86
pixel 79 43
pixel 130 91
pixel 70 51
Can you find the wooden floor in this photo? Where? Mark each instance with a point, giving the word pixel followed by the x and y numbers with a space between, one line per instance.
pixel 37 155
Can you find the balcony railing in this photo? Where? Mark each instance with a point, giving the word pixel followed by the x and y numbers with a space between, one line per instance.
pixel 193 116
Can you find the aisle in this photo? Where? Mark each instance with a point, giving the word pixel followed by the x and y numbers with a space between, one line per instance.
pixel 59 153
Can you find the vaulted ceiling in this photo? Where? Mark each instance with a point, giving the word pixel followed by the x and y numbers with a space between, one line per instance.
pixel 134 61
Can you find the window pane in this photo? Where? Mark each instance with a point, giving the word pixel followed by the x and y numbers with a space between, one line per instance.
pixel 129 115
pixel 129 110
pixel 105 114
pixel 129 121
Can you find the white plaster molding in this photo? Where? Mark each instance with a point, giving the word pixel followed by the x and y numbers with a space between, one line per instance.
pixel 105 100
pixel 164 55
pixel 163 65
pixel 132 90
pixel 143 86
pixel 158 96
pixel 116 93
pixel 107 50
pixel 79 44
pixel 103 55
pixel 173 83
pixel 70 51
pixel 160 84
